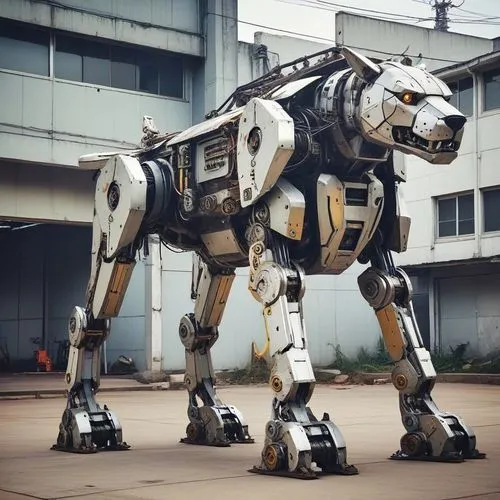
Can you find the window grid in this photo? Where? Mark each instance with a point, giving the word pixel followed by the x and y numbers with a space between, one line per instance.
pixel 455 215
pixel 82 59
pixel 463 95
pixel 491 209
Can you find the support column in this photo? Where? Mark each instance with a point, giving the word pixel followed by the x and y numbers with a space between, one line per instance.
pixel 153 306
pixel 221 53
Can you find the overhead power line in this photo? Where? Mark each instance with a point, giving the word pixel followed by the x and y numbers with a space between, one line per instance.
pixel 296 33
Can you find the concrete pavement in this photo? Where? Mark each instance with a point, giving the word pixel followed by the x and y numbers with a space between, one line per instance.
pixel 52 383
pixel 159 467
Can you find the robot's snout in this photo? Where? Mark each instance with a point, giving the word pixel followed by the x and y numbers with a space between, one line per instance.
pixel 455 122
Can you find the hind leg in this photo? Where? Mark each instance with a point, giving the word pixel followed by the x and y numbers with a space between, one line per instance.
pixel 212 422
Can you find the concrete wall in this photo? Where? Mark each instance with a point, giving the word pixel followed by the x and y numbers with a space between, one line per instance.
pixel 382 38
pixel 53 121
pixel 171 25
pixel 44 193
pixel 334 311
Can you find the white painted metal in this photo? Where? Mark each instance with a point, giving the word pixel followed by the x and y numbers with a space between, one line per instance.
pixel 259 170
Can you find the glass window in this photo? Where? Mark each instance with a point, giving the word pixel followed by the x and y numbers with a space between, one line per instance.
pixel 462 97
pixel 456 215
pixel 148 78
pixel 447 211
pixel 123 68
pixel 68 61
pixel 466 214
pixel 96 64
pixel 491 89
pixel 171 78
pixel 24 48
pixel 491 207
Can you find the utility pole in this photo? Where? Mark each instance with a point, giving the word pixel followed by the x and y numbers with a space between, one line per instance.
pixel 441 22
pixel 442 7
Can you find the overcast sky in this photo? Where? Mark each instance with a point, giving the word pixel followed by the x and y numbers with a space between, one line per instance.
pixel 313 18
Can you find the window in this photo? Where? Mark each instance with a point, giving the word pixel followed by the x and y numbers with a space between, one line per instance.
pixel 24 48
pixel 81 60
pixel 456 215
pixel 491 89
pixel 462 97
pixel 491 209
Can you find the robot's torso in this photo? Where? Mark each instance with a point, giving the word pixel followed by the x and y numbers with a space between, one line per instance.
pixel 305 160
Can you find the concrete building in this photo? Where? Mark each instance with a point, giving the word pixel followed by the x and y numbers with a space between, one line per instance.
pixel 76 77
pixel 454 249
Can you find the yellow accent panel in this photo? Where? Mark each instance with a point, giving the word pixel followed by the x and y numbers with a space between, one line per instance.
pixel 118 284
pixel 220 300
pixel 263 354
pixel 391 330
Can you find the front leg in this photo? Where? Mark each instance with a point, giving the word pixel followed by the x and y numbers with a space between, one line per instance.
pixel 431 434
pixel 296 441
pixel 213 423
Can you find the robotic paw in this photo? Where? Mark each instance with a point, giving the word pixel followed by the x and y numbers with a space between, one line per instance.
pixel 216 426
pixel 302 451
pixel 84 432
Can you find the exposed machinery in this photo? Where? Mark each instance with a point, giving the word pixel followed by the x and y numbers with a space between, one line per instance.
pixel 295 176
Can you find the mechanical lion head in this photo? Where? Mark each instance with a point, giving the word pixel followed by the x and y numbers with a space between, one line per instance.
pixel 405 108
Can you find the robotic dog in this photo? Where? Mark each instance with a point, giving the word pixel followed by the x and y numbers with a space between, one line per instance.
pixel 294 177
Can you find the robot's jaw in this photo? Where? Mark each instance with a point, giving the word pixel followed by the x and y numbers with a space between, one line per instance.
pixel 437 151
pixel 435 133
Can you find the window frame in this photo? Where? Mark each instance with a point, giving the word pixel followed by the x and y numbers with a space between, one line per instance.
pixel 457 219
pixel 456 83
pixel 37 31
pixel 483 191
pixel 162 59
pixel 484 109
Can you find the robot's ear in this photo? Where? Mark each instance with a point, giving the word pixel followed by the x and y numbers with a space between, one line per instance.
pixel 361 65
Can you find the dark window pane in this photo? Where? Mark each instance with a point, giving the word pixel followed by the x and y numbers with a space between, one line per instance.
pixel 447 229
pixel 148 78
pixel 123 68
pixel 96 63
pixel 23 48
pixel 447 210
pixel 466 207
pixel 466 226
pixel 491 203
pixel 171 78
pixel 491 89
pixel 68 66
pixel 454 98
pixel 465 104
pixel 68 60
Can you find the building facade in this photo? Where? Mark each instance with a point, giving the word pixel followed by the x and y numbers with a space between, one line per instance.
pixel 454 248
pixel 76 77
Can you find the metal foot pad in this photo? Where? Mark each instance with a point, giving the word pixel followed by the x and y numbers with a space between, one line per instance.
pixel 119 447
pixel 347 470
pixel 285 473
pixel 217 444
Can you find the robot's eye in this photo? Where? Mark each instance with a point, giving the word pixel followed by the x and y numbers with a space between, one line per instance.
pixel 409 98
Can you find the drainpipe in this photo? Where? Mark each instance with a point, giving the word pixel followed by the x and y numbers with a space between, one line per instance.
pixel 478 216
